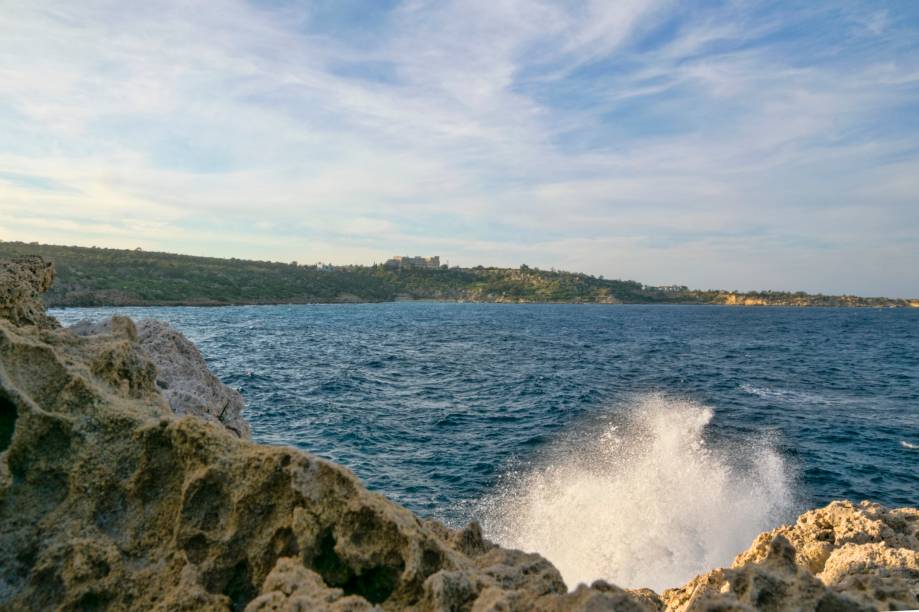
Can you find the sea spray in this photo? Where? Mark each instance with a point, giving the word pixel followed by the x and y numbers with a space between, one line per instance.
pixel 645 501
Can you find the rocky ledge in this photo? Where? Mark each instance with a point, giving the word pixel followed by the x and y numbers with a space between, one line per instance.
pixel 127 481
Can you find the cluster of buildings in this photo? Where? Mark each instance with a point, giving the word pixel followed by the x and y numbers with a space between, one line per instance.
pixel 667 288
pixel 406 262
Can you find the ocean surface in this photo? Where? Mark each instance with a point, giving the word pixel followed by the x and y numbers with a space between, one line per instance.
pixel 640 444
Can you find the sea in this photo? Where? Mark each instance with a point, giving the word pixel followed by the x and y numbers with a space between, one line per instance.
pixel 641 444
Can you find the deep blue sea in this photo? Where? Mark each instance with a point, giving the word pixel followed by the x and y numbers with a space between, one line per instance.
pixel 561 426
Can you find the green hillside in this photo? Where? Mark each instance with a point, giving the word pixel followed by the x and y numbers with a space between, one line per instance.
pixel 106 277
pixel 96 277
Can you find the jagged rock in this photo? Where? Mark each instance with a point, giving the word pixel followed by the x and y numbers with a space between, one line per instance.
pixel 182 374
pixel 867 551
pixel 843 556
pixel 22 281
pixel 186 381
pixel 110 500
pixel 290 587
pixel 773 582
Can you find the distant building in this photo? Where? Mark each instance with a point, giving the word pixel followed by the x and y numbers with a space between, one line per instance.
pixel 667 288
pixel 406 262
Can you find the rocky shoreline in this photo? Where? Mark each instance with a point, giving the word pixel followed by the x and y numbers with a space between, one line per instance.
pixel 128 481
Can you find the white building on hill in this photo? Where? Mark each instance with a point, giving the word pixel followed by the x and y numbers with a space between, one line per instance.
pixel 406 262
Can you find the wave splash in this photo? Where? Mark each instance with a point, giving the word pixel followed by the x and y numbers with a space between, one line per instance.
pixel 646 503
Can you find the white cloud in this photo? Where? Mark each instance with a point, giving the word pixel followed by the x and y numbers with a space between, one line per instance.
pixel 501 130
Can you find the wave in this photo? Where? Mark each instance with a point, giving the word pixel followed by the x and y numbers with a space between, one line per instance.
pixel 784 395
pixel 909 445
pixel 644 501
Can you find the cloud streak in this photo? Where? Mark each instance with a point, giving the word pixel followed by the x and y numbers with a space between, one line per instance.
pixel 739 144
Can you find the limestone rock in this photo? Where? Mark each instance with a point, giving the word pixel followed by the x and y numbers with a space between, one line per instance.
pixel 867 551
pixel 182 374
pixel 773 582
pixel 22 281
pixel 290 587
pixel 186 381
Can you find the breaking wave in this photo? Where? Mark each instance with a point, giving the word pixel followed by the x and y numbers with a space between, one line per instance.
pixel 644 501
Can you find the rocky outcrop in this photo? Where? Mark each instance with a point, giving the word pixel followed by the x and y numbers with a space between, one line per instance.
pixel 840 557
pixel 866 551
pixel 22 281
pixel 111 500
pixel 182 375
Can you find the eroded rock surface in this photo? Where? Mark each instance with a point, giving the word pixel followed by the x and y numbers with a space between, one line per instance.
pixel 182 375
pixel 867 552
pixel 22 281
pixel 111 500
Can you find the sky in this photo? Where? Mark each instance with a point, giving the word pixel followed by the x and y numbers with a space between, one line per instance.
pixel 736 145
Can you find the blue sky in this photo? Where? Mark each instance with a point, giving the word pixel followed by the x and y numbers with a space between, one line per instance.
pixel 732 144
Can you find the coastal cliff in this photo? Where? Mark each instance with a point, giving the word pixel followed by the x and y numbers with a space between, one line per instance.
pixel 127 481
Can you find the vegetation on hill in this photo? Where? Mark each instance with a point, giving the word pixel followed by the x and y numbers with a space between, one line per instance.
pixel 107 277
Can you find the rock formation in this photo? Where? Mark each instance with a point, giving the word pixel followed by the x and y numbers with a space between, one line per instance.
pixel 109 499
pixel 22 281
pixel 182 375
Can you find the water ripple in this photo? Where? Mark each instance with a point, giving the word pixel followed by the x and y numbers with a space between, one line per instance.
pixel 432 403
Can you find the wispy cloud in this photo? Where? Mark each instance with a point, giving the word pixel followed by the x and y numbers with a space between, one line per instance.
pixel 736 144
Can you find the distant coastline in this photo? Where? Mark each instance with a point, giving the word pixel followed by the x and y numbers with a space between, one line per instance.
pixel 97 277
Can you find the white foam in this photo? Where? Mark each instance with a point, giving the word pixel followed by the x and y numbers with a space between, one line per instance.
pixel 784 395
pixel 645 502
pixel 909 445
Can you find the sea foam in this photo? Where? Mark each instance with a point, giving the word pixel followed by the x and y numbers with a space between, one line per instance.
pixel 644 501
